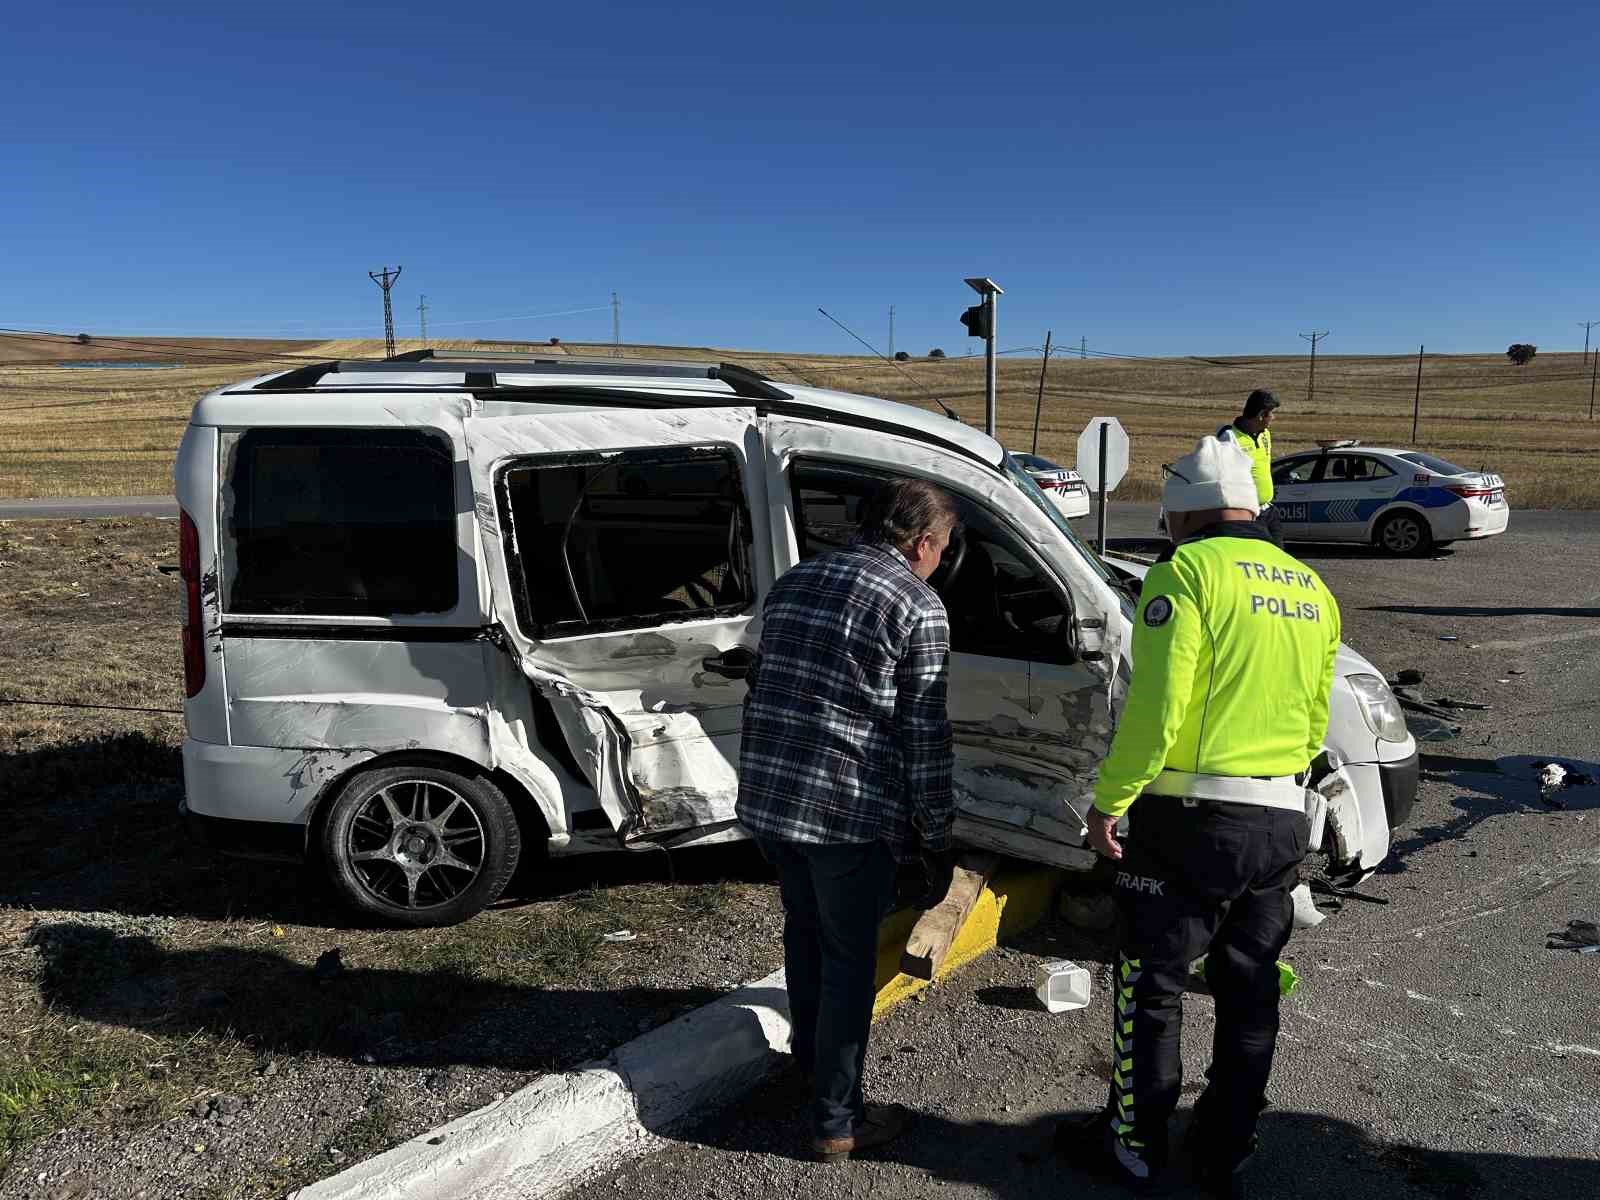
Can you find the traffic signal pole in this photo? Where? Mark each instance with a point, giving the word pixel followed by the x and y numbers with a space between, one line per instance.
pixel 990 291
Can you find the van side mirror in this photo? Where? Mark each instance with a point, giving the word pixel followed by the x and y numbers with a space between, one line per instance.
pixel 1088 638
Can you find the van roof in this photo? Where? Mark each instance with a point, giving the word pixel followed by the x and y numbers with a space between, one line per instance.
pixel 354 391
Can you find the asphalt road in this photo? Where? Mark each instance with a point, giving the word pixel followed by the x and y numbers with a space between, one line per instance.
pixel 89 506
pixel 1435 1049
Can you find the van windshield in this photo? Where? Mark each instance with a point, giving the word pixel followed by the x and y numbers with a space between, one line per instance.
pixel 1024 483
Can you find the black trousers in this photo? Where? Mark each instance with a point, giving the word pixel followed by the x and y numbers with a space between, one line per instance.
pixel 834 898
pixel 1200 877
pixel 1272 521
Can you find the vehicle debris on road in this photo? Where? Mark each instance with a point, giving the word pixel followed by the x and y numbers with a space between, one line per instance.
pixel 620 935
pixel 1558 776
pixel 1580 935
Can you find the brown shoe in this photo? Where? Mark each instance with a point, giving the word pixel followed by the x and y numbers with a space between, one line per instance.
pixel 882 1124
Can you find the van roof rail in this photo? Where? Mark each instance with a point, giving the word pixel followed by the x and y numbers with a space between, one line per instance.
pixel 480 370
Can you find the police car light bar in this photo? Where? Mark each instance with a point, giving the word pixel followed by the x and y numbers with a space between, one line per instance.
pixel 1338 443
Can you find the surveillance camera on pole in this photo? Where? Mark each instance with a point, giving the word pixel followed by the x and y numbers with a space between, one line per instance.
pixel 980 322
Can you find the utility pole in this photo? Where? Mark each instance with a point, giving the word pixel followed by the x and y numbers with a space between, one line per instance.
pixel 422 318
pixel 1593 364
pixel 1313 337
pixel 386 281
pixel 1083 347
pixel 616 326
pixel 1038 405
pixel 991 293
pixel 1587 325
pixel 891 331
pixel 1416 404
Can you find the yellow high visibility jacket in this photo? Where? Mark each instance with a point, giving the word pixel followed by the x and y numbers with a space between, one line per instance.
pixel 1260 451
pixel 1233 649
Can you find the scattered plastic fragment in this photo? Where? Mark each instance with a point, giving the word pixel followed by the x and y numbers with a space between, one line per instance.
pixel 1448 637
pixel 1446 702
pixel 1306 915
pixel 1579 935
pixel 1558 776
pixel 1063 986
pixel 620 935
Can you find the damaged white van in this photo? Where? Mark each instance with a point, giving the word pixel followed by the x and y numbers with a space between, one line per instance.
pixel 444 610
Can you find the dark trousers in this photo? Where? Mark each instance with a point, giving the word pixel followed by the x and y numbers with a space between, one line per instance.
pixel 1272 522
pixel 1200 877
pixel 834 898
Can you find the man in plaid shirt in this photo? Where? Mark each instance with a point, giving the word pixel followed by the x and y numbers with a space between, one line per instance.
pixel 844 768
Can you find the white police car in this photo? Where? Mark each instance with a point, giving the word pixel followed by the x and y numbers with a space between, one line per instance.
pixel 1402 501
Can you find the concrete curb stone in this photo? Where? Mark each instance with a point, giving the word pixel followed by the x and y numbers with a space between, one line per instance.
pixel 560 1129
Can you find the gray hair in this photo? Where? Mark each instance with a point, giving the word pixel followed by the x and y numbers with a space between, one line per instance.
pixel 904 510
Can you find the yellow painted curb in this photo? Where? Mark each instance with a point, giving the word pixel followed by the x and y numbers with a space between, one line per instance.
pixel 1013 901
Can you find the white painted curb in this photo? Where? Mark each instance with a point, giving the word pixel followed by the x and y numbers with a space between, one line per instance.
pixel 541 1140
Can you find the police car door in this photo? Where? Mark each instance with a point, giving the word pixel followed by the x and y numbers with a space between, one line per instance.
pixel 1030 721
pixel 626 569
pixel 1292 493
pixel 1353 488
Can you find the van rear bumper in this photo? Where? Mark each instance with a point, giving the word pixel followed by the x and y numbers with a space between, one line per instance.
pixel 266 785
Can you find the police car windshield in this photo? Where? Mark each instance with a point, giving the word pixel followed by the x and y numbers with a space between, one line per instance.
pixel 1031 490
pixel 1437 465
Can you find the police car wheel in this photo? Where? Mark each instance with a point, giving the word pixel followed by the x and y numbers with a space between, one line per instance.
pixel 420 845
pixel 1404 534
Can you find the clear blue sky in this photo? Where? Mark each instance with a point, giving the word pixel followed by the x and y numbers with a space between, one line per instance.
pixel 1178 178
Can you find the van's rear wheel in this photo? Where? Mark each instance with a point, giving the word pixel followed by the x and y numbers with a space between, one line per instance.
pixel 1404 533
pixel 420 845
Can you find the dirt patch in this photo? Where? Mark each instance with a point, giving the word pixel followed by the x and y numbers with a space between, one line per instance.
pixel 182 1025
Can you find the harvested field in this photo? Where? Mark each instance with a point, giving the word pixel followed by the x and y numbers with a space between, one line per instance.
pixel 167 1026
pixel 67 432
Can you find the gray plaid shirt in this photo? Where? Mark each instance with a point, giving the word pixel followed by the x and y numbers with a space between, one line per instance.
pixel 846 730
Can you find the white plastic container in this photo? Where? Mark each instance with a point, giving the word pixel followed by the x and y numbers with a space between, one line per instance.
pixel 1063 986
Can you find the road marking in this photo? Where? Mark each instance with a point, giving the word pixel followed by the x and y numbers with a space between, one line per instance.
pixel 1572 635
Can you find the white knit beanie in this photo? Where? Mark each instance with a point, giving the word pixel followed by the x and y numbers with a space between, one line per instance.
pixel 1215 475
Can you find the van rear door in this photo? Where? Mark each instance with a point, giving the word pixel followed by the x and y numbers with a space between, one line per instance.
pixel 626 570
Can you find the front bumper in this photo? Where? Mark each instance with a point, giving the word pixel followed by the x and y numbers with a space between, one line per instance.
pixel 1399 781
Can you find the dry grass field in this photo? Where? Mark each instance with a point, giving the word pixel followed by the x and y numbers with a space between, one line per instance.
pixel 67 432
pixel 138 972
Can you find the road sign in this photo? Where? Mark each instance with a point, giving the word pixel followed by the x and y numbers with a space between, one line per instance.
pixel 1116 453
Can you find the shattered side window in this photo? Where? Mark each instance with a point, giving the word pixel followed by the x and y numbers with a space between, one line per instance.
pixel 339 522
pixel 626 539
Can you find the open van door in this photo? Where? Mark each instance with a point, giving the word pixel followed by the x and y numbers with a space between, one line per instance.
pixel 626 570
pixel 1031 672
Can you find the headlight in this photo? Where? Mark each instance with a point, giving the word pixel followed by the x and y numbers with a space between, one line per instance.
pixel 1379 707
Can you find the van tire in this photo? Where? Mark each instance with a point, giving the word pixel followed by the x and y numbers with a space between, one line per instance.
pixel 420 845
pixel 1404 535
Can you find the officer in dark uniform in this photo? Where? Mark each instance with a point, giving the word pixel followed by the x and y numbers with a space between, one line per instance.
pixel 1233 651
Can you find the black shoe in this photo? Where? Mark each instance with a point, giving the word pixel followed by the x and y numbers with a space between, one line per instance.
pixel 1090 1144
pixel 1216 1177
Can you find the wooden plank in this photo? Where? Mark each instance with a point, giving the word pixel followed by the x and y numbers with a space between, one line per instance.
pixel 936 929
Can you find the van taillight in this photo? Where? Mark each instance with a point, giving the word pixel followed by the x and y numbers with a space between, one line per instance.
pixel 194 656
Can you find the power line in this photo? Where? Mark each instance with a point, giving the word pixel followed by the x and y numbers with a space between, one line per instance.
pixel 386 281
pixel 948 411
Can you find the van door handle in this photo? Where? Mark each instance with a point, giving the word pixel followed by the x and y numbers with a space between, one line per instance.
pixel 733 663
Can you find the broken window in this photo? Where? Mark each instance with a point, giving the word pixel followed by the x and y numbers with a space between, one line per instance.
pixel 626 539
pixel 339 522
pixel 1000 602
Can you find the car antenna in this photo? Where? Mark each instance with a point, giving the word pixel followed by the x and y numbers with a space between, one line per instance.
pixel 948 411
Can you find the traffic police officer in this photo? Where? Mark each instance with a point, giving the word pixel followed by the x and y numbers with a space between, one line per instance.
pixel 1251 432
pixel 1234 645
